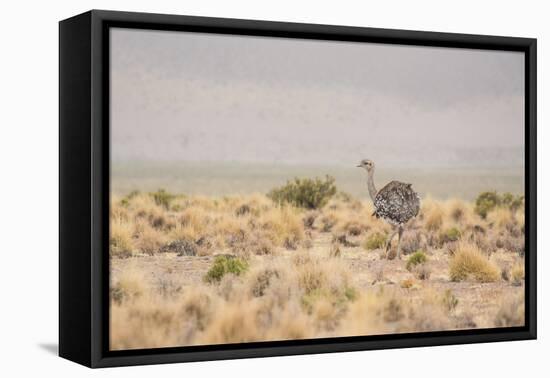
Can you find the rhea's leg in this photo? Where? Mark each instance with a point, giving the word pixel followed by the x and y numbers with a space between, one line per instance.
pixel 388 242
pixel 400 231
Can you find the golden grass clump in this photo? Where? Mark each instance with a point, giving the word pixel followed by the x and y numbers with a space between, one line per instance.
pixel 150 240
pixel 433 214
pixel 283 226
pixel 500 217
pixel 458 210
pixel 327 291
pixel 252 205
pixel 144 206
pixel 131 284
pixel 196 218
pixel 354 227
pixel 118 210
pixel 121 243
pixel 235 325
pixel 323 276
pixel 181 232
pixel 468 262
pixel 459 215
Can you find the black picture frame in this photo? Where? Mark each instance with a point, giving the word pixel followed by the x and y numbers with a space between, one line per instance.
pixel 84 187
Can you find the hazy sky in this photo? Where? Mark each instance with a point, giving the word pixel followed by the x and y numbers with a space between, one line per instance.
pixel 206 97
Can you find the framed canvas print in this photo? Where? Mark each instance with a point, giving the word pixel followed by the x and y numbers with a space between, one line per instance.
pixel 234 188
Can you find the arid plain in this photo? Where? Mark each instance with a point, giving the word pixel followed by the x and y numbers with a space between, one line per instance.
pixel 307 261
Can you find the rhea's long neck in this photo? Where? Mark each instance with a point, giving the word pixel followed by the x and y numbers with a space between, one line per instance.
pixel 370 184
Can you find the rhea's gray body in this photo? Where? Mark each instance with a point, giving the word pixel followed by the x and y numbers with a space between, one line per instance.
pixel 397 203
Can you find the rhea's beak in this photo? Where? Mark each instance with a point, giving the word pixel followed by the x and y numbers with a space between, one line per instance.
pixel 359 166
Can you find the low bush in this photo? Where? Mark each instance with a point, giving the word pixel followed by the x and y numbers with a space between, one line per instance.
pixel 224 265
pixel 417 258
pixel 162 198
pixel 305 193
pixel 449 235
pixel 511 201
pixel 120 242
pixel 488 201
pixel 150 241
pixel 375 241
pixel 126 200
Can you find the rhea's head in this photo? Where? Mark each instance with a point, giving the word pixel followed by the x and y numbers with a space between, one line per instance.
pixel 366 164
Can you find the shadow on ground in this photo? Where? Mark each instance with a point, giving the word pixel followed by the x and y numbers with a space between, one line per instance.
pixel 50 348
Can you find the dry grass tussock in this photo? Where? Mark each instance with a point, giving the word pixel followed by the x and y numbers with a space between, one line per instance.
pixel 469 262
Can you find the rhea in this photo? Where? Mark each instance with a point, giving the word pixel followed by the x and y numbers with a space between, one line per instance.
pixel 396 203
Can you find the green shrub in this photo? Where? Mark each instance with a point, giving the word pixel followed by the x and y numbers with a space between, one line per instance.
pixel 512 202
pixel 375 241
pixel 450 235
pixel 223 265
pixel 488 201
pixel 351 293
pixel 306 193
pixel 162 198
pixel 415 259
